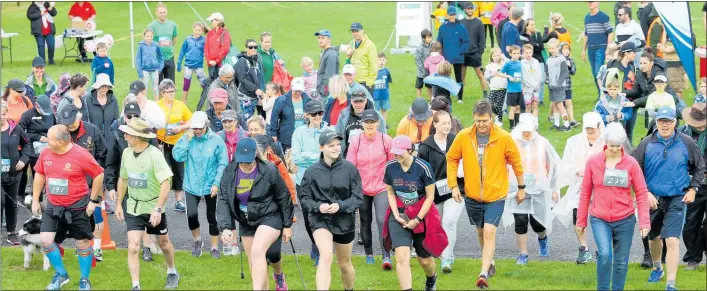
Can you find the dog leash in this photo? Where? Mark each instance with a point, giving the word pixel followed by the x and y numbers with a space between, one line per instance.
pixel 20 205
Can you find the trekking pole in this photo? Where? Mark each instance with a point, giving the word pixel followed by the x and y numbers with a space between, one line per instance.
pixel 241 241
pixel 298 267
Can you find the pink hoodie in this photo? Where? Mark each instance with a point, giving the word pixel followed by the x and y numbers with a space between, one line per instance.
pixel 370 157
pixel 612 203
pixel 431 63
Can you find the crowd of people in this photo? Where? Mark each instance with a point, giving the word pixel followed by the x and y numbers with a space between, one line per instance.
pixel 266 143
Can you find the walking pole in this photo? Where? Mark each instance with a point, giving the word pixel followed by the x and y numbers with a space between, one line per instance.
pixel 241 241
pixel 298 267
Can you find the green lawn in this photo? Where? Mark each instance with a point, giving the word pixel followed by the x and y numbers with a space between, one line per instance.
pixel 206 273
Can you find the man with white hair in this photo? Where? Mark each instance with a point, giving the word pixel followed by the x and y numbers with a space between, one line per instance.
pixel 224 81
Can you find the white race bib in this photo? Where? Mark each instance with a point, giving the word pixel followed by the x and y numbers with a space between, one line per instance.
pixel 58 186
pixel 616 178
pixel 443 187
pixel 137 180
pixel 5 165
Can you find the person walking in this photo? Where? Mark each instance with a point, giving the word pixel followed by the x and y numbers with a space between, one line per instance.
pixel 166 37
pixel 36 124
pixel 455 42
pixel 477 43
pixel 217 45
pixel 103 105
pixel 38 82
pixel 15 155
pixel 250 75
pixel 328 62
pixel 598 32
pixel 288 114
pixel 17 103
pixel 41 16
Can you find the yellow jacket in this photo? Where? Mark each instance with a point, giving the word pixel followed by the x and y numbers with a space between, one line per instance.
pixel 417 134
pixel 485 7
pixel 491 184
pixel 365 59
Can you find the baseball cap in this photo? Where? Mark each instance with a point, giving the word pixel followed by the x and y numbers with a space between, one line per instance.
pixel 356 26
pixel 628 47
pixel 349 69
pixel 17 85
pixel 665 113
pixel 592 120
pixel 43 105
pixel 263 141
pixel 469 5
pixel 451 11
pixel 132 108
pixel 229 115
pixel 297 84
pixel 198 120
pixel 215 16
pixel 401 144
pixel 420 109
pixel 218 95
pixel 136 87
pixel 527 122
pixel 67 116
pixel 246 150
pixel 660 78
pixel 313 106
pixel 323 32
pixel 358 95
pixel 369 115
pixel 328 136
pixel 38 62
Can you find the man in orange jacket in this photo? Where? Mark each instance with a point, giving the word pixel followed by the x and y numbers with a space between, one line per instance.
pixel 486 150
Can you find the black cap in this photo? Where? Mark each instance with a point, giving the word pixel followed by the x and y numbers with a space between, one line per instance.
pixel 369 115
pixel 356 26
pixel 132 108
pixel 17 85
pixel 67 115
pixel 327 136
pixel 469 5
pixel 44 106
pixel 38 62
pixel 263 141
pixel 628 47
pixel 313 106
pixel 137 86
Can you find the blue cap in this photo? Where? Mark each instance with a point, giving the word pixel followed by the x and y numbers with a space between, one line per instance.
pixel 246 150
pixel 356 26
pixel 665 113
pixel 323 32
pixel 451 11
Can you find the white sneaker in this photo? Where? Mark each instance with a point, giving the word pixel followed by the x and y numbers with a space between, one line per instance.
pixel 460 102
pixel 235 250
pixel 28 200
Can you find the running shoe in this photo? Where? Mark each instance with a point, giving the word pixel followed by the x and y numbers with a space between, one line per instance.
pixel 647 262
pixel 98 254
pixel 584 256
pixel 280 284
pixel 370 260
pixel 574 124
pixel 492 270
pixel 655 276
pixel 197 249
pixel 172 281
pixel 360 241
pixel 564 128
pixel 692 266
pixel 12 239
pixel 431 285
pixel 84 284
pixel 670 287
pixel 146 254
pixel 235 250
pixel 460 101
pixel 446 266
pixel 215 254
pixel 179 206
pixel 482 282
pixel 413 253
pixel 544 247
pixel 28 201
pixel 522 259
pixel 136 288
pixel 387 264
pixel 58 281
pixel 314 253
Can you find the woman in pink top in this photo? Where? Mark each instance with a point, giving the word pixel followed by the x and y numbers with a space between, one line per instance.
pixel 610 176
pixel 370 152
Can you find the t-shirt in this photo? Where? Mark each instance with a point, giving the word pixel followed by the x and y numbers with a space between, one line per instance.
pixel 175 116
pixel 66 174
pixel 482 140
pixel 597 28
pixel 353 128
pixel 657 100
pixel 14 111
pixel 84 11
pixel 442 145
pixel 336 109
pixel 144 173
pixel 513 68
pixel 299 113
pixel 244 185
pixel 409 185
pixel 164 34
pixel 380 86
pixel 5 152
pixel 511 36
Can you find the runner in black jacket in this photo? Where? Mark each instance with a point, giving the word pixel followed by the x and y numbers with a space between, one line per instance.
pixel 36 122
pixel 15 155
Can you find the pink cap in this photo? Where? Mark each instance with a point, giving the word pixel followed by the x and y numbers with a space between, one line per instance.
pixel 218 95
pixel 401 144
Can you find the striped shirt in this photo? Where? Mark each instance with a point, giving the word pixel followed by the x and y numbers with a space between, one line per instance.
pixel 597 28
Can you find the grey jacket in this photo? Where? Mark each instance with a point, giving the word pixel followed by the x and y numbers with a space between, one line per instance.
pixel 421 53
pixel 67 99
pixel 328 67
pixel 232 95
pixel 558 72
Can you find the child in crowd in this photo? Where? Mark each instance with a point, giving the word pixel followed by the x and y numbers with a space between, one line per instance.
pixel 381 87
pixel 659 98
pixel 149 61
pixel 566 52
pixel 558 73
pixel 439 14
pixel 421 54
pixel 611 105
pixel 443 70
pixel 193 51
pixel 612 50
pixel 102 64
pixel 532 75
pixel 272 91
pixel 434 59
pixel 497 84
pixel 700 97
pixel 310 78
pixel 514 95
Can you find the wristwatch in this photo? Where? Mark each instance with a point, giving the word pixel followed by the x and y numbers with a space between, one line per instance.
pixel 521 187
pixel 94 201
pixel 158 209
pixel 418 219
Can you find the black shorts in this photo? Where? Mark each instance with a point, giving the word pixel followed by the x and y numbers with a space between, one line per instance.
pixel 142 223
pixel 472 60
pixel 402 237
pixel 79 228
pixel 419 83
pixel 274 221
pixel 342 239
pixel 514 99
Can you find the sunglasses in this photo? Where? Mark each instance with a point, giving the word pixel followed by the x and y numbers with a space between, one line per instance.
pixel 130 116
pixel 252 47
pixel 320 113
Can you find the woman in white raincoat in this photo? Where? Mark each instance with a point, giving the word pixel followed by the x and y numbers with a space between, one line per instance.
pixel 541 165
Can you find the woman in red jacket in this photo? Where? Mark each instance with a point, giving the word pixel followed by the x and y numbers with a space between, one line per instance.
pixel 610 176
pixel 218 44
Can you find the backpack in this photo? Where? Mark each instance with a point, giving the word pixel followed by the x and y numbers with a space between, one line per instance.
pixel 281 76
pixel 564 37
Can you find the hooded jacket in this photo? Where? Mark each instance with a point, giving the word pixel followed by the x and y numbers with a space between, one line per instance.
pixel 605 109
pixel 29 86
pixel 231 146
pixel 204 159
pixel 66 99
pixel 103 116
pixel 89 137
pixel 305 148
pixel 267 65
pixel 454 40
pixel 339 183
pixel 346 115
pixel 413 129
pixel 284 173
pixel 431 64
pixel 370 156
pixel 34 14
pixel 149 58
pixel 437 158
pixel 36 126
pixel 268 197
pixel 19 151
pixel 643 85
pixel 192 52
pixel 249 74
pixel 421 53
pixel 217 45
pixel 328 67
pixel 282 120
pixel 365 59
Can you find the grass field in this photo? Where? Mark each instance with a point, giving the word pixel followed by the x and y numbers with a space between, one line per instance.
pixel 206 273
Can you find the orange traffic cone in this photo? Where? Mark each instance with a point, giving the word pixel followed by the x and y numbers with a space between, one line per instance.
pixel 106 242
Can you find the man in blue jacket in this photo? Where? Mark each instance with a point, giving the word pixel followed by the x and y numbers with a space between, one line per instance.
pixel 674 169
pixel 455 42
pixel 288 114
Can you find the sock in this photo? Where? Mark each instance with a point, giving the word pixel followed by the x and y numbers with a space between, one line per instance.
pixel 485 274
pixel 136 284
pixel 187 84
pixel 516 116
pixel 511 123
pixel 85 260
pixel 432 279
pixel 171 270
pixel 584 248
pixel 96 244
pixel 657 265
pixel 493 262
pixel 556 118
pixel 54 257
pixel 670 283
pixel 544 238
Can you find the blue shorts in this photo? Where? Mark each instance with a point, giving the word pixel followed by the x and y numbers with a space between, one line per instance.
pixel 481 213
pixel 669 219
pixel 568 94
pixel 381 104
pixel 98 215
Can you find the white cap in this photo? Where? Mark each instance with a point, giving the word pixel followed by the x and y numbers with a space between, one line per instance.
pixel 297 84
pixel 349 69
pixel 215 15
pixel 527 122
pixel 592 120
pixel 198 120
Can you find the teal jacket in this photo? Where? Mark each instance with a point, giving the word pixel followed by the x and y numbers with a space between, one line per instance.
pixel 305 148
pixel 204 160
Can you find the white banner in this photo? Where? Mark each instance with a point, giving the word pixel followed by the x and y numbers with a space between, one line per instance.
pixel 411 19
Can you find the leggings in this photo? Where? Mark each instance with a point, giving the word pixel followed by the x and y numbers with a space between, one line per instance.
pixel 521 222
pixel 193 212
pixel 497 98
pixel 380 202
pixel 450 211
pixel 155 78
pixel 306 221
pixel 458 77
pixel 9 190
pixel 24 179
pixel 176 167
pixel 488 28
pixel 200 74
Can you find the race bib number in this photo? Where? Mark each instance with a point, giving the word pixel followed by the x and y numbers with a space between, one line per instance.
pixel 171 128
pixel 529 180
pixel 379 83
pixel 138 181
pixel 164 41
pixel 39 146
pixel 58 186
pixel 443 188
pixel 408 198
pixel 616 178
pixel 5 165
pixel 517 76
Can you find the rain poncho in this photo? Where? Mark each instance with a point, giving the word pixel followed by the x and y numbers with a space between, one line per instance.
pixel 541 165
